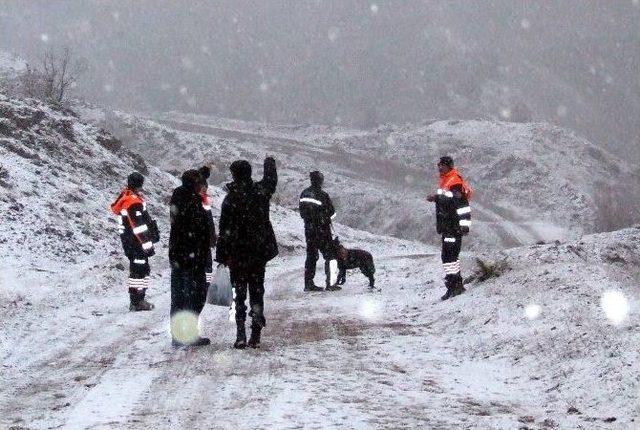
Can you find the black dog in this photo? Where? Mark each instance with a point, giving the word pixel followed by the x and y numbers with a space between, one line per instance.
pixel 353 259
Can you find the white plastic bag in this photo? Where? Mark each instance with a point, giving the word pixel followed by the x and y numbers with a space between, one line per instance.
pixel 333 272
pixel 220 292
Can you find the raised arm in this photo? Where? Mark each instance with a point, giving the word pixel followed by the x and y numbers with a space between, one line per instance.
pixel 270 176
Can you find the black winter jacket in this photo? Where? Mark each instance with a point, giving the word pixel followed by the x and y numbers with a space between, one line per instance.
pixel 189 239
pixel 138 231
pixel 316 209
pixel 453 214
pixel 246 235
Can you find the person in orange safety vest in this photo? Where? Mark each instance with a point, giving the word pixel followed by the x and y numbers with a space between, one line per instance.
pixel 453 219
pixel 138 232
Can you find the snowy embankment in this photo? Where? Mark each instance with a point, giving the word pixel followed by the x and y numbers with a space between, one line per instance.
pixel 379 178
pixel 550 343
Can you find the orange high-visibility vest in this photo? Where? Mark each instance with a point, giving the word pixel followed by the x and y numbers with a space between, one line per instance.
pixel 453 178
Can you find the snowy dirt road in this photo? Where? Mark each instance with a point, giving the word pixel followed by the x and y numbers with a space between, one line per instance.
pixel 398 358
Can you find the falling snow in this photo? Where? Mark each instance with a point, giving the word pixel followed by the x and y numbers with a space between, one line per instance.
pixel 615 306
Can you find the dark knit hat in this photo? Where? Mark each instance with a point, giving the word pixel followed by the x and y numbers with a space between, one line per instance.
pixel 240 170
pixel 135 181
pixel 205 172
pixel 447 161
pixel 317 178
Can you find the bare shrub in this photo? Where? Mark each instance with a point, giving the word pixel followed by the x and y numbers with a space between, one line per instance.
pixel 54 78
pixel 487 270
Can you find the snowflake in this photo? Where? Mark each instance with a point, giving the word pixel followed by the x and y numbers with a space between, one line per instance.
pixel 333 33
pixel 532 311
pixel 374 8
pixel 562 111
pixel 264 87
pixel 525 24
pixel 615 306
pixel 505 113
pixel 44 37
pixel 187 63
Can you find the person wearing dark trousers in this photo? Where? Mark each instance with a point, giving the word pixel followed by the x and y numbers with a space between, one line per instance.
pixel 138 233
pixel 247 242
pixel 189 246
pixel 205 172
pixel 316 209
pixel 453 219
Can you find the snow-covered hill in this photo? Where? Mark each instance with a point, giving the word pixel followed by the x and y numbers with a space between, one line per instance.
pixel 533 182
pixel 11 65
pixel 549 343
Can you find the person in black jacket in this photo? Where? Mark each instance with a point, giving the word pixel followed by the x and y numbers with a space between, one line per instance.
pixel 316 209
pixel 205 172
pixel 453 219
pixel 138 233
pixel 189 243
pixel 247 242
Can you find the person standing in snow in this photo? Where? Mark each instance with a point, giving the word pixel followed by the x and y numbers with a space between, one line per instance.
pixel 138 233
pixel 189 246
pixel 205 172
pixel 316 209
pixel 453 219
pixel 247 242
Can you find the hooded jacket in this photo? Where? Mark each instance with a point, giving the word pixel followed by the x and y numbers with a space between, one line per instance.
pixel 246 235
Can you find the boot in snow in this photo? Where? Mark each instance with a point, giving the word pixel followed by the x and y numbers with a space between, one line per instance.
pixel 334 287
pixel 254 340
pixel 142 305
pixel 458 287
pixel 450 283
pixel 201 341
pixel 448 294
pixel 241 336
pixel 177 343
pixel 258 321
pixel 312 287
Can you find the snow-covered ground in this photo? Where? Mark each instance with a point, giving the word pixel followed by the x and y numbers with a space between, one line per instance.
pixel 399 358
pixel 550 343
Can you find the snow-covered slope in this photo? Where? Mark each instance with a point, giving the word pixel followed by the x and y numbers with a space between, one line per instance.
pixel 550 343
pixel 533 182
pixel 58 177
pixel 11 65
